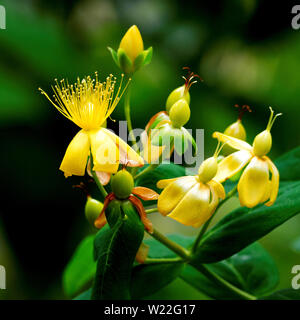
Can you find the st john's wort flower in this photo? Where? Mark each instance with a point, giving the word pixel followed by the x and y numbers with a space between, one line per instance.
pixel 88 103
pixel 255 185
pixel 191 200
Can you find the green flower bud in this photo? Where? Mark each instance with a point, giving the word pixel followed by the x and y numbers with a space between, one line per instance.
pixel 180 113
pixel 92 209
pixel 177 94
pixel 122 184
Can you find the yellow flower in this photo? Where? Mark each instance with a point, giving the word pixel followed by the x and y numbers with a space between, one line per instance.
pixel 88 103
pixel 255 185
pixel 191 200
pixel 132 42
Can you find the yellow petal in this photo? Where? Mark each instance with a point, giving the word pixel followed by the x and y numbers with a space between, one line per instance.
pixel 133 158
pixel 211 207
pixel 105 152
pixel 132 42
pixel 173 193
pixel 218 188
pixel 193 208
pixel 253 183
pixel 233 142
pixel 232 164
pixel 75 159
pixel 161 184
pixel 274 185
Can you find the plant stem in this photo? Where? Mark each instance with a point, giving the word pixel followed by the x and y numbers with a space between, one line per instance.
pixel 163 260
pixel 128 117
pixel 179 250
pixel 151 210
pixel 148 169
pixel 207 223
pixel 222 282
pixel 95 177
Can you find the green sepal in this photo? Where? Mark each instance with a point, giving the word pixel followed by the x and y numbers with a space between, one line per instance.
pixel 125 62
pixel 147 55
pixel 114 56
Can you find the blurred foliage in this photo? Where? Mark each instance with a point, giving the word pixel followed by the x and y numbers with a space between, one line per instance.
pixel 245 50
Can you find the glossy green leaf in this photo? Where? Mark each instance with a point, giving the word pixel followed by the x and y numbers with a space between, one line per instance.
pixel 252 270
pixel 116 250
pixel 80 269
pixel 285 294
pixel 289 165
pixel 158 250
pixel 163 171
pixel 149 278
pixel 244 226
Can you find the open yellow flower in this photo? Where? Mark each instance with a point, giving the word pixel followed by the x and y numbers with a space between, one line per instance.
pixel 255 185
pixel 88 103
pixel 191 200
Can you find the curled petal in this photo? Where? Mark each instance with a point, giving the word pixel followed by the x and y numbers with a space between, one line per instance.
pixel 128 155
pixel 104 177
pixel 233 142
pixel 142 253
pixel 232 164
pixel 218 188
pixel 101 220
pixel 141 210
pixel 158 117
pixel 274 185
pixel 150 152
pixel 161 184
pixel 145 193
pixel 105 152
pixel 75 159
pixel 253 183
pixel 193 207
pixel 173 193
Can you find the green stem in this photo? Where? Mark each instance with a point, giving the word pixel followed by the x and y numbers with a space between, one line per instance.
pixel 128 117
pixel 163 260
pixel 148 169
pixel 99 185
pixel 223 283
pixel 207 223
pixel 179 250
pixel 151 210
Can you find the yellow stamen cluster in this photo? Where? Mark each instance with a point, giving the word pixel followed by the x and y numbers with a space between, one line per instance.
pixel 87 103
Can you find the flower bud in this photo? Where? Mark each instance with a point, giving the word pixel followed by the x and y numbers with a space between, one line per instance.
pixel 180 113
pixel 177 94
pixel 132 43
pixel 122 184
pixel 235 130
pixel 92 209
pixel 262 143
pixel 208 169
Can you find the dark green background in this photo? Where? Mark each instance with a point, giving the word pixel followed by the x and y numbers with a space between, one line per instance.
pixel 245 50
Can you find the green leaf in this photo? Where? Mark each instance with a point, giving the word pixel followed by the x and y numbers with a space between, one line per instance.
pixel 285 294
pixel 149 278
pixel 244 226
pixel 252 270
pixel 116 250
pixel 289 165
pixel 163 171
pixel 86 295
pixel 158 250
pixel 114 56
pixel 81 268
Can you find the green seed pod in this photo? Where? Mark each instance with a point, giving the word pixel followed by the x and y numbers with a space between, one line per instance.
pixel 177 94
pixel 208 169
pixel 92 209
pixel 180 113
pixel 122 184
pixel 262 143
